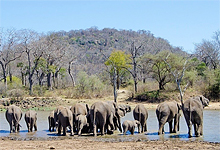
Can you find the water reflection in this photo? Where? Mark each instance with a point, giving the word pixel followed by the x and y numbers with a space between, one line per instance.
pixel 211 128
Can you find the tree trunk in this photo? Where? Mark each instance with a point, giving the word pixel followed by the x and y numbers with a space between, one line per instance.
pixel 114 85
pixel 49 81
pixel 71 76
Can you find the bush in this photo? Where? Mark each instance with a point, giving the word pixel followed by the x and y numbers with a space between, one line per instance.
pixel 15 93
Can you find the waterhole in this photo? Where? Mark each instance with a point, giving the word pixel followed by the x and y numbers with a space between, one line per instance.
pixel 211 128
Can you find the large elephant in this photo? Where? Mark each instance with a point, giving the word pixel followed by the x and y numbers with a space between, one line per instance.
pixel 130 126
pixel 31 120
pixel 140 114
pixel 79 109
pixel 116 115
pixel 101 116
pixel 51 121
pixel 167 112
pixel 193 113
pixel 13 116
pixel 56 112
pixel 65 119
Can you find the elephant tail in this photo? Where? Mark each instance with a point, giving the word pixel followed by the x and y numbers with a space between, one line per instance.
pixel 16 119
pixel 139 115
pixel 190 111
pixel 94 116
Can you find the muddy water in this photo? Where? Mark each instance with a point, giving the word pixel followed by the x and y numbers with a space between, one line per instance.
pixel 211 128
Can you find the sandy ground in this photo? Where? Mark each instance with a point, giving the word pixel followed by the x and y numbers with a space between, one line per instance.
pixel 96 143
pixel 89 144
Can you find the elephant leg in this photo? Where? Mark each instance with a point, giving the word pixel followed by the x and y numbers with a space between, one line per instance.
pixel 59 128
pixel 132 130
pixel 64 130
pixel 16 127
pixel 161 129
pixel 31 125
pixel 11 127
pixel 170 126
pixel 190 128
pixel 199 129
pixel 145 127
pixel 139 128
pixel 189 123
pixel 35 126
pixel 95 129
pixel 102 128
pixel 142 127
pixel 125 130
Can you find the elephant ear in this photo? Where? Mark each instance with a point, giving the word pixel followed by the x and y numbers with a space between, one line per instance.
pixel 204 101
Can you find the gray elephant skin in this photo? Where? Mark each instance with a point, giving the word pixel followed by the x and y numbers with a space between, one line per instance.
pixel 101 116
pixel 193 113
pixel 130 126
pixel 123 109
pixel 140 114
pixel 51 121
pixel 168 112
pixel 13 116
pixel 81 124
pixel 31 120
pixel 79 109
pixel 116 115
pixel 64 118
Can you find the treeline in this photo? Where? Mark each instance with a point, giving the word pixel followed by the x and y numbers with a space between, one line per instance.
pixel 85 63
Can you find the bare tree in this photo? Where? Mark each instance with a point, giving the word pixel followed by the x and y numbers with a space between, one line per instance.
pixel 9 52
pixel 178 76
pixel 209 51
pixel 134 51
pixel 33 48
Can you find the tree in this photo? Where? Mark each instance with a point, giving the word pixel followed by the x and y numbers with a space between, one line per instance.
pixel 118 62
pixel 209 51
pixel 159 69
pixel 34 48
pixel 134 51
pixel 9 51
pixel 178 72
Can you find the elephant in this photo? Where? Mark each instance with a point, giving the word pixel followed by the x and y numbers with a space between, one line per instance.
pixel 79 109
pixel 31 120
pixel 116 115
pixel 65 119
pixel 193 113
pixel 167 112
pixel 51 121
pixel 13 116
pixel 140 114
pixel 101 116
pixel 130 126
pixel 123 109
pixel 81 124
pixel 56 112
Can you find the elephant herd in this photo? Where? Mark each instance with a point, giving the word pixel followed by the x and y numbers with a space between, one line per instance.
pixel 106 117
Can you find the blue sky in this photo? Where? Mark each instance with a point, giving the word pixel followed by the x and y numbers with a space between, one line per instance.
pixel 182 22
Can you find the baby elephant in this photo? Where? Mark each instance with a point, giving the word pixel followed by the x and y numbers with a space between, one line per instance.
pixel 130 126
pixel 81 124
pixel 31 120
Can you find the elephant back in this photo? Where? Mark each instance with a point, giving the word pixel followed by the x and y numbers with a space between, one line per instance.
pixel 13 113
pixel 140 113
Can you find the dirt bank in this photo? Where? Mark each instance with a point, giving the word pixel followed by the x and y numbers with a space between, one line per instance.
pixel 92 144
